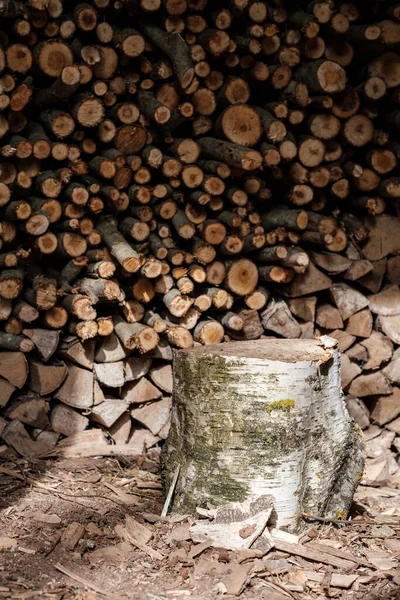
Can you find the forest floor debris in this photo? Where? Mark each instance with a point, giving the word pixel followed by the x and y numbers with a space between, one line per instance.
pixel 89 529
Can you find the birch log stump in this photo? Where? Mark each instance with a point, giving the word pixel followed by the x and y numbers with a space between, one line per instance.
pixel 263 417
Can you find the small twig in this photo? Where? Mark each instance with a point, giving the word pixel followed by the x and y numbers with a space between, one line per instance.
pixel 84 582
pixel 170 492
pixel 328 520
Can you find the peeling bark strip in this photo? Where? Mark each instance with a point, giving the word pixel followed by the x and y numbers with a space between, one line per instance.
pixel 258 418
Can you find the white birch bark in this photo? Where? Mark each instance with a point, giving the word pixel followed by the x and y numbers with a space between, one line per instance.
pixel 263 417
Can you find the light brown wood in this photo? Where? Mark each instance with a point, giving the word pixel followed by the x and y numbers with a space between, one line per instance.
pixel 138 392
pixel 77 389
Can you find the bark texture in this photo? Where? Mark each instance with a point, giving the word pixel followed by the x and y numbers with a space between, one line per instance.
pixel 263 417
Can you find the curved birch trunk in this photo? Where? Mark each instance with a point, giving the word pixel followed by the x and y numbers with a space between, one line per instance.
pixel 263 417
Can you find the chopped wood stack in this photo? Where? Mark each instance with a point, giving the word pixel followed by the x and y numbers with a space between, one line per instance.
pixel 182 171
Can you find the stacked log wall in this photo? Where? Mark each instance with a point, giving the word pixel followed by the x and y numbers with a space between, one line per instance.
pixel 175 172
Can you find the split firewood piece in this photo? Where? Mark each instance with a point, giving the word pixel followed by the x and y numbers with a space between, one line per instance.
pixel 343 338
pixel 14 368
pixel 137 392
pixel 310 282
pixel 360 324
pixel 328 317
pixel 161 376
pixel 387 302
pixel 390 326
pixel 393 269
pixel 110 374
pixel 81 353
pixel 278 319
pixel 380 350
pixel 30 409
pixel 383 237
pixel 142 440
pixel 121 429
pixel 91 442
pixel 16 436
pixel 349 370
pixel 358 411
pixel 303 307
pixel 45 379
pixel 358 269
pixel 6 391
pixel 111 350
pixel 392 370
pixel 372 281
pixel 358 353
pixel 154 416
pixel 376 472
pixel 379 445
pixel 108 412
pixel 162 351
pixel 386 408
pixel 330 262
pixel 46 341
pixel 77 389
pixel 49 438
pixel 98 394
pixel 136 367
pixel 373 384
pixel 66 420
pixel 347 299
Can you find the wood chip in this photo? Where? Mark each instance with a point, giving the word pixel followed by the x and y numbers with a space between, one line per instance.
pixel 310 554
pixel 71 535
pixel 7 543
pixel 337 580
pixel 153 416
pixel 124 534
pixel 48 519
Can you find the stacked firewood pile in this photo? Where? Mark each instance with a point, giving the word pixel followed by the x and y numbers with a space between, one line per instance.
pixel 181 171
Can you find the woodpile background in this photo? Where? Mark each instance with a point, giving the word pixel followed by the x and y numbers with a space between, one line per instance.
pixel 181 171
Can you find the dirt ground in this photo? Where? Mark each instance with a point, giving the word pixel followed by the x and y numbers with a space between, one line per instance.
pixel 62 526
